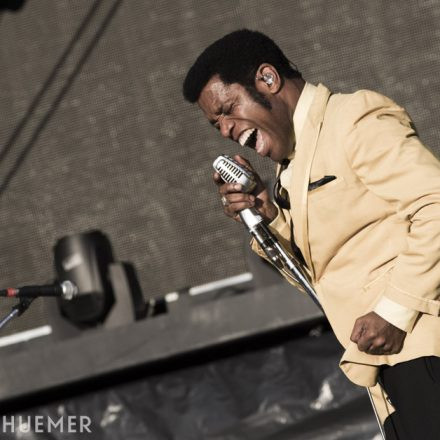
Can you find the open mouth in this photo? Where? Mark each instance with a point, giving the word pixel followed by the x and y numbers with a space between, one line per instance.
pixel 249 138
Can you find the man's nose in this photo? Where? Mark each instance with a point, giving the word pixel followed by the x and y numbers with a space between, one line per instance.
pixel 226 126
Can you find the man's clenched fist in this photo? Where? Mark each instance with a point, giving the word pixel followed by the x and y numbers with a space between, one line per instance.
pixel 375 335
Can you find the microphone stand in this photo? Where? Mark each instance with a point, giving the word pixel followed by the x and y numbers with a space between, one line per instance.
pixel 232 171
pixel 286 264
pixel 17 310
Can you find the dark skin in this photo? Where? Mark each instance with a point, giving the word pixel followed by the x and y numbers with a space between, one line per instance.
pixel 375 335
pixel 231 110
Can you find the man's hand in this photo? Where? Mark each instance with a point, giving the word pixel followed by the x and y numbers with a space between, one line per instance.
pixel 236 201
pixel 375 335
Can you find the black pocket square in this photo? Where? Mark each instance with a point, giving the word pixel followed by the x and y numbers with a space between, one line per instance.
pixel 320 182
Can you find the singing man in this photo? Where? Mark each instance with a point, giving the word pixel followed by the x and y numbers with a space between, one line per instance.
pixel 357 198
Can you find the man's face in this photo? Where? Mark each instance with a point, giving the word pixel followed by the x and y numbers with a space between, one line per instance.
pixel 237 115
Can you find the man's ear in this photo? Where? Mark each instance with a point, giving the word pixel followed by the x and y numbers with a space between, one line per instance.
pixel 267 79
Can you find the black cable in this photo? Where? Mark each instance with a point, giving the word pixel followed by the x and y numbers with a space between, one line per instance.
pixel 61 94
pixel 35 102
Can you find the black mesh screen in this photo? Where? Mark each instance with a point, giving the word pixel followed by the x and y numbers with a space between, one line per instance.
pixel 94 133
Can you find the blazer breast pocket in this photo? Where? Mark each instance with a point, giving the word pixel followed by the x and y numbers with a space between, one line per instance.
pixel 321 182
pixel 325 186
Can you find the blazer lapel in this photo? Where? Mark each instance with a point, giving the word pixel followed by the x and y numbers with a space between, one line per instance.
pixel 304 153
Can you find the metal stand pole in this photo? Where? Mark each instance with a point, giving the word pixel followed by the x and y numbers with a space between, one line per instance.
pixel 375 413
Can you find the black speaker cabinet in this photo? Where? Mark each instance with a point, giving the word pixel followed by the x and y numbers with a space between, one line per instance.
pixel 84 259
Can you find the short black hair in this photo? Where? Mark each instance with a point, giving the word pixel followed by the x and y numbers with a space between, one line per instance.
pixel 236 58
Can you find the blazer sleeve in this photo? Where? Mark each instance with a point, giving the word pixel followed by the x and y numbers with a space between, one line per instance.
pixel 384 151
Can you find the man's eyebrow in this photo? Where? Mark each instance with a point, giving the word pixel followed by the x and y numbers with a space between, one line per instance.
pixel 219 109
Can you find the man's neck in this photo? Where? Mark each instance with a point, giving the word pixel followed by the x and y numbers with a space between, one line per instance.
pixel 291 92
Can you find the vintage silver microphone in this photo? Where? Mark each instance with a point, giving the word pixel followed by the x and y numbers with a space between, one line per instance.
pixel 233 172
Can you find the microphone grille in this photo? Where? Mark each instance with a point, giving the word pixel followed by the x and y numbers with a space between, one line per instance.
pixel 233 172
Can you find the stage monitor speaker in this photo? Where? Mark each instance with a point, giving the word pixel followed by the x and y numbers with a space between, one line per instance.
pixel 85 259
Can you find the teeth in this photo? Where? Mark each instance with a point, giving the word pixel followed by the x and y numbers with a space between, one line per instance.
pixel 245 135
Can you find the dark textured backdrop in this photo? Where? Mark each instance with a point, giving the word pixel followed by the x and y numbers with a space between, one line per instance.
pixel 94 132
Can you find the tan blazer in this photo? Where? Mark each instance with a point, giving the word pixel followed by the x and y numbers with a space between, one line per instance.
pixel 375 229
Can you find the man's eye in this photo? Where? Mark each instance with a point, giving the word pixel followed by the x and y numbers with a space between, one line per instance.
pixel 228 111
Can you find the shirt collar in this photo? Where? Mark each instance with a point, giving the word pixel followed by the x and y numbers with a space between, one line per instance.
pixel 302 108
pixel 299 118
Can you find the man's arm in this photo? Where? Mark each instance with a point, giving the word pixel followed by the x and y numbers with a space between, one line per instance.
pixel 387 156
